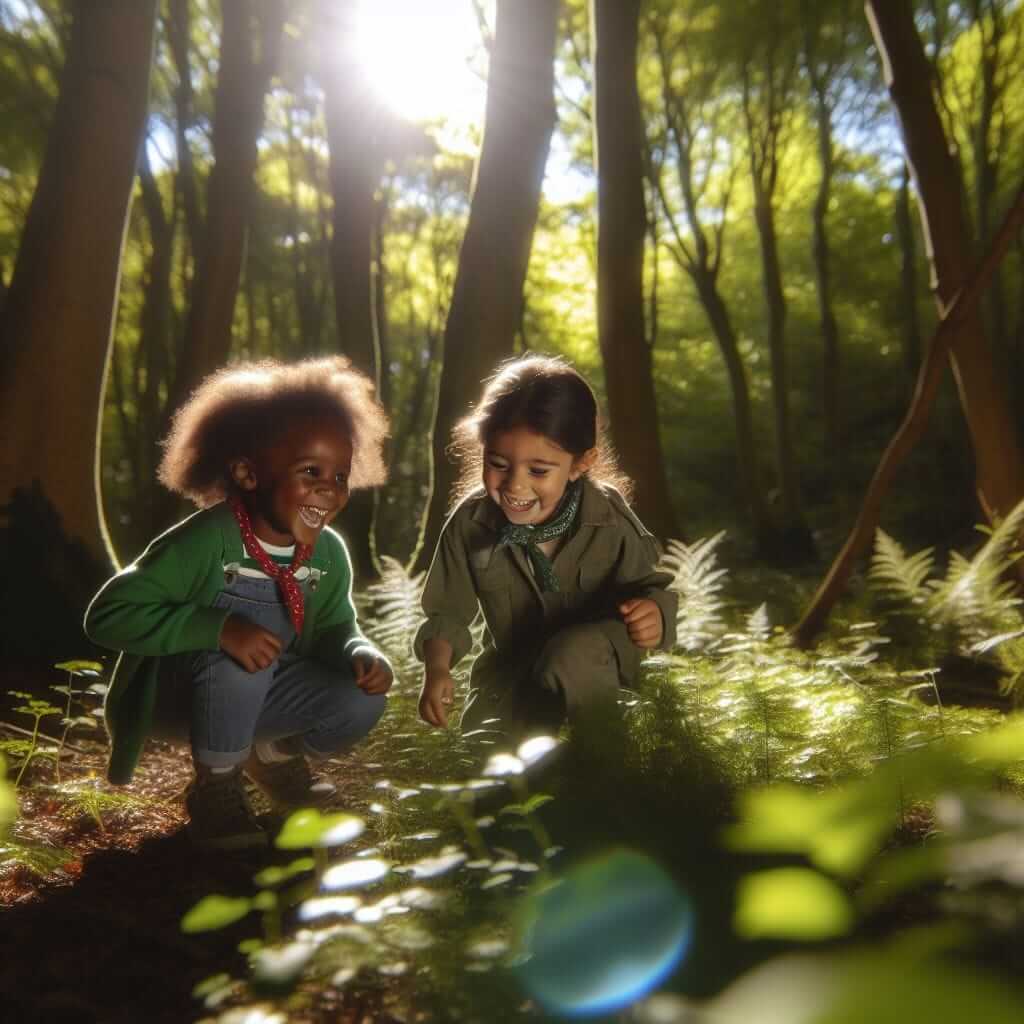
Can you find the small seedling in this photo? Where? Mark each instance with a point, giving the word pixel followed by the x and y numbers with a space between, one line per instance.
pixel 38 709
pixel 73 668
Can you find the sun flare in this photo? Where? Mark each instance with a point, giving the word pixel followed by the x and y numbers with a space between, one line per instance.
pixel 424 60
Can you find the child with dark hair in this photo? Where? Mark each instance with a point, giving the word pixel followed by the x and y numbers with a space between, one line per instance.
pixel 542 542
pixel 240 618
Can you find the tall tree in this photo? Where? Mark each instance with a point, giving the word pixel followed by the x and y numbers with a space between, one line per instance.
pixel 694 113
pixel 622 223
pixel 1000 467
pixel 978 62
pixel 958 287
pixel 768 63
pixel 911 325
pixel 828 43
pixel 55 327
pixel 355 164
pixel 486 308
pixel 249 46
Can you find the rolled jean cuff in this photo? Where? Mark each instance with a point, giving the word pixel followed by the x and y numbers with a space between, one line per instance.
pixel 220 758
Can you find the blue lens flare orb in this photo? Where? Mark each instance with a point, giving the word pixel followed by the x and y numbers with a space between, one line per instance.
pixel 604 935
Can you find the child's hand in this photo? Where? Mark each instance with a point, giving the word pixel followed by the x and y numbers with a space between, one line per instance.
pixel 252 646
pixel 436 698
pixel 643 621
pixel 373 673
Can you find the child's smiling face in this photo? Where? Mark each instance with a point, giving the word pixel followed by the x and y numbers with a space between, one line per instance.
pixel 526 474
pixel 299 484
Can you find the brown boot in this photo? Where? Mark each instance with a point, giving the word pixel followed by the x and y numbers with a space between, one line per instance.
pixel 289 784
pixel 220 814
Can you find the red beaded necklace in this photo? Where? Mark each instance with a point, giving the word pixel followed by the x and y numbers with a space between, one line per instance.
pixel 291 592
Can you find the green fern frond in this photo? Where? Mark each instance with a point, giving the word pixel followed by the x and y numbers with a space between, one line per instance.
pixel 698 579
pixel 974 596
pixel 898 575
pixel 759 626
pixel 394 603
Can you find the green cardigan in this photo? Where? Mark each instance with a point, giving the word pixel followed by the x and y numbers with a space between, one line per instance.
pixel 163 604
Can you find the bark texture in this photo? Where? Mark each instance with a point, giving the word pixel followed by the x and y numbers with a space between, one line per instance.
pixel 764 108
pixel 622 220
pixel 700 257
pixel 250 39
pixel 1000 468
pixel 487 301
pixel 55 329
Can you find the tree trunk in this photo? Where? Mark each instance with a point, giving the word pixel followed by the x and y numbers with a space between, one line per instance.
pixel 908 278
pixel 55 330
pixel 1000 469
pixel 988 148
pixel 765 535
pixel 962 308
pixel 153 348
pixel 242 81
pixel 622 219
pixel 486 306
pixel 179 36
pixel 830 390
pixel 354 171
pixel 764 129
pixel 353 178
pixel 701 259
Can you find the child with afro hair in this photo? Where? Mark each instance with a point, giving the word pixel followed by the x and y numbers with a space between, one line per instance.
pixel 240 618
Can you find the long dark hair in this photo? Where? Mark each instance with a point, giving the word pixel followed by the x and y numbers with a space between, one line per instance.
pixel 546 395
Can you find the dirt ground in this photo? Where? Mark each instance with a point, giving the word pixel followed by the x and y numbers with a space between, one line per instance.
pixel 99 941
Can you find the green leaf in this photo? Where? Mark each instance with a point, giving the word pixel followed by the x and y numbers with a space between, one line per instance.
pixel 213 912
pixel 270 877
pixel 883 987
pixel 309 828
pixel 214 983
pixel 791 903
pixel 999 747
pixel 80 668
pixel 529 806
pixel 264 901
pixel 8 799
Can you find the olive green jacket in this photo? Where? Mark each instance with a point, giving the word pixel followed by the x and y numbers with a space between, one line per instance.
pixel 163 604
pixel 608 558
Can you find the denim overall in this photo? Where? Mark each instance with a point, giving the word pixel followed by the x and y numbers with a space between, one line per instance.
pixel 228 707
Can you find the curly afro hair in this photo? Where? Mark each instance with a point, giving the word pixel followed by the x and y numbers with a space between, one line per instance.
pixel 242 410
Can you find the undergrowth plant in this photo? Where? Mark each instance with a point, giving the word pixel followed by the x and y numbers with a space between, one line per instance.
pixel 27 750
pixel 434 894
pixel 973 608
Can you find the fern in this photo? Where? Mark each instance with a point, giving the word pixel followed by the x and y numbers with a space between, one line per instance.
pixel 897 575
pixel 758 624
pixel 697 578
pixel 974 596
pixel 394 603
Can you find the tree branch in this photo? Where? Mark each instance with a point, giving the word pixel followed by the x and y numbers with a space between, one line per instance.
pixel 910 430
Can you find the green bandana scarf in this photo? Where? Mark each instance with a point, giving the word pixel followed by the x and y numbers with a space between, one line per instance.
pixel 530 537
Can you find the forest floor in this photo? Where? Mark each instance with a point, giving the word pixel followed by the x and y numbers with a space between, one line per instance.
pixel 98 940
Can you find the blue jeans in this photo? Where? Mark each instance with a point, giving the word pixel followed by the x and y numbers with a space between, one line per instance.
pixel 295 696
